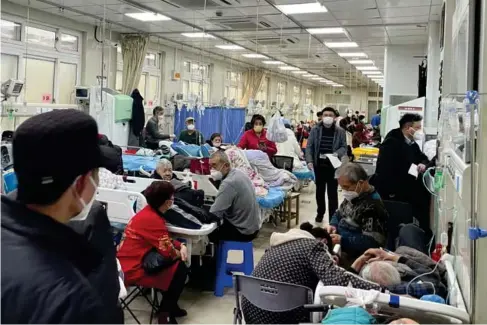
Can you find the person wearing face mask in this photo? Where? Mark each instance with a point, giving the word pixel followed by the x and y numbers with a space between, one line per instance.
pixel 256 138
pixel 152 134
pixel 325 139
pixel 150 257
pixel 41 255
pixel 399 153
pixel 216 141
pixel 360 222
pixel 235 202
pixel 191 135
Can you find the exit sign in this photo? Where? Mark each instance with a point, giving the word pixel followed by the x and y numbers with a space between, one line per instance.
pixel 338 92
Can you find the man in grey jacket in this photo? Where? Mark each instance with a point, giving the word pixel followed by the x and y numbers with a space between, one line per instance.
pixel 152 133
pixel 325 139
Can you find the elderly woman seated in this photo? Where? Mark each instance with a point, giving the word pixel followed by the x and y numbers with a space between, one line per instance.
pixel 360 222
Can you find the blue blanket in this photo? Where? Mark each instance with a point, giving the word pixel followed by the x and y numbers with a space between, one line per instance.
pixel 133 163
pixel 304 174
pixel 273 199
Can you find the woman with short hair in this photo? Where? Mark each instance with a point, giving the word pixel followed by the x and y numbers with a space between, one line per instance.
pixel 256 138
pixel 150 257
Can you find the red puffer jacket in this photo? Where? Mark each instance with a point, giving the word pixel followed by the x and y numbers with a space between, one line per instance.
pixel 251 141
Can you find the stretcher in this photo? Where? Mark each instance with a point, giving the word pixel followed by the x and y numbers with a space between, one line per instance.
pixel 423 312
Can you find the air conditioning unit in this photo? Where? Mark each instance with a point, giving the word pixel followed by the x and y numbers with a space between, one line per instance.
pixel 200 5
pixel 241 23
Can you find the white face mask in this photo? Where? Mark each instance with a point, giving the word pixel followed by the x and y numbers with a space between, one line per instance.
pixel 349 195
pixel 191 127
pixel 86 206
pixel 217 144
pixel 216 175
pixel 418 135
pixel 328 120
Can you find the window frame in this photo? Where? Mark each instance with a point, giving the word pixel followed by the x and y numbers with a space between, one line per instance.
pixel 281 93
pixel 189 76
pixel 36 51
pixel 236 83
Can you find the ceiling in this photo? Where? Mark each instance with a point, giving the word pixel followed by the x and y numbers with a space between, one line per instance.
pixel 259 27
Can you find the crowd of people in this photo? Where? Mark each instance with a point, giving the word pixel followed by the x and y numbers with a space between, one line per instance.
pixel 56 269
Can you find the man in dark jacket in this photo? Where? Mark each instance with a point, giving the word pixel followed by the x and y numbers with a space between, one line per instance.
pixel 398 175
pixel 191 135
pixel 45 264
pixel 152 134
pixel 138 118
pixel 324 140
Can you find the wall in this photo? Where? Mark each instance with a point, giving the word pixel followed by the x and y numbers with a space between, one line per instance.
pixel 432 90
pixel 401 70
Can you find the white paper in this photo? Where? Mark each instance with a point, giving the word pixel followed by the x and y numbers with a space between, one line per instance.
pixel 334 160
pixel 413 170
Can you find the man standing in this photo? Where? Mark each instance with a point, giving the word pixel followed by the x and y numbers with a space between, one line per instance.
pixel 400 163
pixel 375 122
pixel 152 134
pixel 235 202
pixel 191 135
pixel 45 264
pixel 325 139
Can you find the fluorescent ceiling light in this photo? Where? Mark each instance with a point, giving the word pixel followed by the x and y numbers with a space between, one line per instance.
pixel 147 16
pixel 302 8
pixel 369 68
pixel 316 78
pixel 288 68
pixel 326 30
pixel 377 78
pixel 371 72
pixel 308 75
pixel 273 62
pixel 299 72
pixel 198 35
pixel 254 56
pixel 352 55
pixel 229 47
pixel 332 45
pixel 337 85
pixel 361 62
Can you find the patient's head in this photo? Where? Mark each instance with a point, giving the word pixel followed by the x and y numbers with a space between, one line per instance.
pixel 164 169
pixel 381 272
pixel 160 195
pixel 403 321
pixel 319 233
pixel 219 162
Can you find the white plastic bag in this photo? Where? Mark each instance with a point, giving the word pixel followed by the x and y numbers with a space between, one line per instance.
pixel 276 131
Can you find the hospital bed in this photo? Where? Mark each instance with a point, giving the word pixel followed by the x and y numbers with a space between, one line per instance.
pixel 423 312
pixel 120 209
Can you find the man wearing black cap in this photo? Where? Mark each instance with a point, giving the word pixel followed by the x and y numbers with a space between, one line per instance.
pixel 191 135
pixel 45 264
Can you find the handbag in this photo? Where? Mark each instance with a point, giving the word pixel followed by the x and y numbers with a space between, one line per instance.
pixel 153 262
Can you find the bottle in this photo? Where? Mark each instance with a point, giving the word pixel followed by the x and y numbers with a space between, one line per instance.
pixel 436 255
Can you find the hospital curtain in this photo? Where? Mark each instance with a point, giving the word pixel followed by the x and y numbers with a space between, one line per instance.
pixel 134 50
pixel 253 79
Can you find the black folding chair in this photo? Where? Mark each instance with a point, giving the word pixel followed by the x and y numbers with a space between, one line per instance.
pixel 140 291
pixel 269 295
pixel 283 162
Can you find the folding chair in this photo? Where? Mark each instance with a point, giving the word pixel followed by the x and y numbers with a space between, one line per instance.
pixel 140 291
pixel 283 162
pixel 269 295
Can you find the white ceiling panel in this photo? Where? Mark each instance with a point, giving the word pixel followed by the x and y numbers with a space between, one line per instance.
pixel 357 14
pixel 320 23
pixel 407 32
pixel 359 33
pixel 406 20
pixel 405 12
pixel 322 16
pixel 349 5
pixel 402 3
pixel 360 22
pixel 225 13
pixel 263 10
pixel 280 21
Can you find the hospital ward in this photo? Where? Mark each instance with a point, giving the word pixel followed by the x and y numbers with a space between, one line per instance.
pixel 243 161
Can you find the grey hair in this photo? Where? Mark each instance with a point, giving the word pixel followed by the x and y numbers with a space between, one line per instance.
pixel 221 156
pixel 353 171
pixel 164 163
pixel 381 272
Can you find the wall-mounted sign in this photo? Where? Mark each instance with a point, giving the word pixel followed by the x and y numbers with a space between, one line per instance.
pixel 409 109
pixel 176 75
pixel 150 103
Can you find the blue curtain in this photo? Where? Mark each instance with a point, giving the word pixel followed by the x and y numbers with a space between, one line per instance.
pixel 229 122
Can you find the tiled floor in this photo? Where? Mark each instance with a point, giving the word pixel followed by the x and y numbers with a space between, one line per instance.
pixel 204 307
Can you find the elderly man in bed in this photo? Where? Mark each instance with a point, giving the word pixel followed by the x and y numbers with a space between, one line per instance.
pixel 235 202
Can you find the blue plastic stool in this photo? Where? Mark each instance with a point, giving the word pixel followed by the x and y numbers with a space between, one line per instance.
pixel 224 278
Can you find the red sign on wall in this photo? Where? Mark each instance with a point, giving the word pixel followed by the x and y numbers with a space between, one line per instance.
pixel 46 98
pixel 410 108
pixel 150 103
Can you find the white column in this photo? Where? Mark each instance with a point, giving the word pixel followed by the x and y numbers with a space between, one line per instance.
pixel 401 70
pixel 432 91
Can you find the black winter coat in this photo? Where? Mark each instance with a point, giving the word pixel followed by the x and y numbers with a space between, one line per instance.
pixel 391 178
pixel 138 115
pixel 45 268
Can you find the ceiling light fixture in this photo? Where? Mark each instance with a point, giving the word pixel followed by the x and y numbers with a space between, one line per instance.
pixel 337 85
pixel 369 68
pixel 316 78
pixel 288 68
pixel 326 30
pixel 361 62
pixel 273 62
pixel 299 72
pixel 333 45
pixel 352 55
pixel 302 8
pixel 254 56
pixel 147 16
pixel 229 47
pixel 371 72
pixel 309 75
pixel 198 35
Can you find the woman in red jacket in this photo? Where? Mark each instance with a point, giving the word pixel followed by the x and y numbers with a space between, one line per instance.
pixel 255 139
pixel 147 233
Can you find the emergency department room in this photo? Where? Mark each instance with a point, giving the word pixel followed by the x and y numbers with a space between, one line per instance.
pixel 243 161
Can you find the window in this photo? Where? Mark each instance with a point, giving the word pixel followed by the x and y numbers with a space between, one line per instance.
pixel 66 88
pixel 281 93
pixel 196 81
pixel 39 79
pixel 68 42
pixel 10 30
pixel 309 96
pixel 296 94
pixel 10 66
pixel 40 36
pixel 234 87
pixel 262 93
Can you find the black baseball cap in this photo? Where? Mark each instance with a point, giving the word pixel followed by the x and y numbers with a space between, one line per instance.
pixel 51 150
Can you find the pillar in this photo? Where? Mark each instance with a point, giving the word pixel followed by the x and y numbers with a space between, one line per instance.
pixel 432 90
